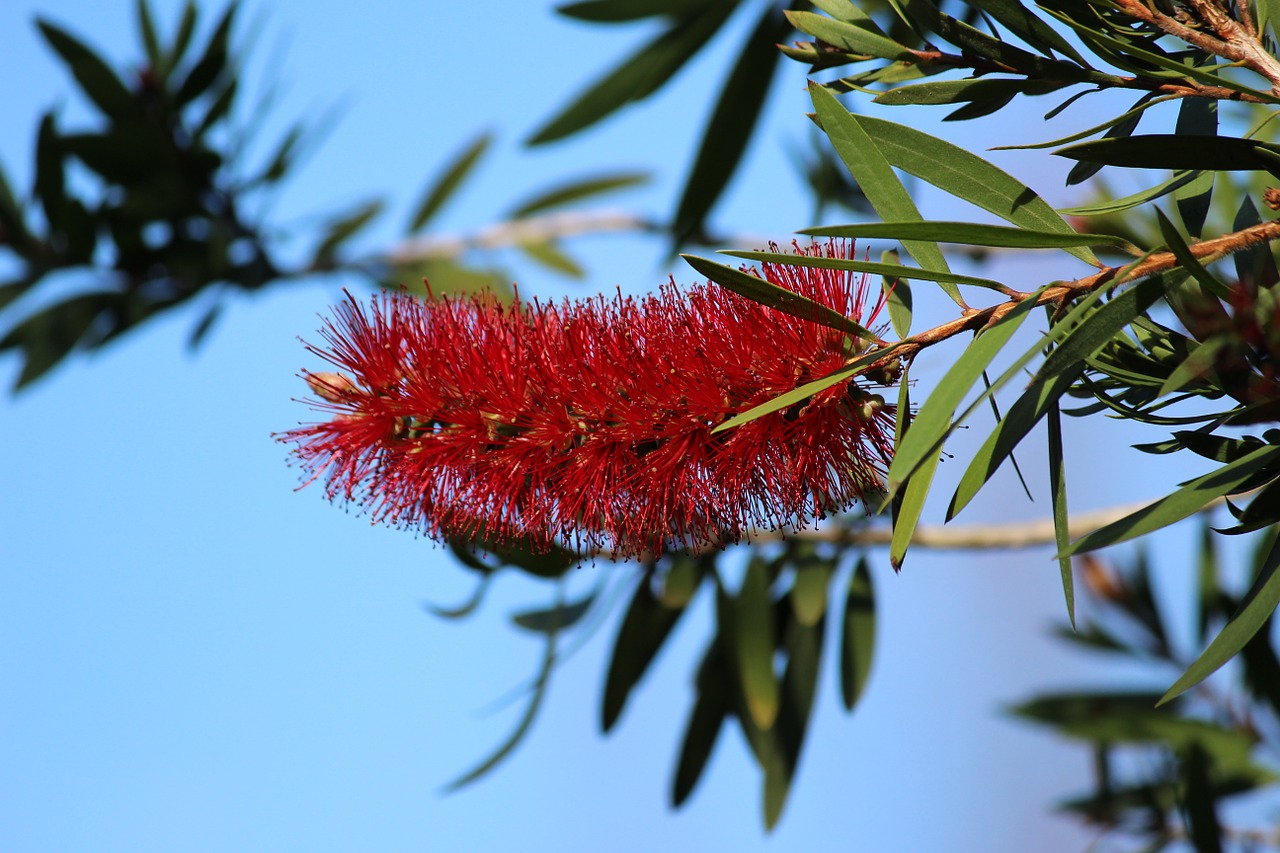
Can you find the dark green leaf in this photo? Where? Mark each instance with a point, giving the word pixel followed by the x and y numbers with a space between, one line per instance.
pixel 857 635
pixel 853 265
pixel 1199 117
pixel 578 190
pixel 555 618
pixel 186 28
pixel 849 37
pixel 778 298
pixel 467 607
pixel 1058 492
pixel 1254 612
pixel 95 77
pixel 897 295
pixel 1100 327
pixel 643 631
pixel 705 722
pixel 1186 501
pixel 554 258
pixel 1171 151
pixel 150 41
pixel 50 186
pixel 1122 129
pixel 211 64
pixel 873 172
pixel 615 11
pixel 1198 801
pixel 978 90
pixel 1025 25
pixel 639 76
pixel 49 336
pixel 345 228
pixel 732 123
pixel 450 179
pixel 970 234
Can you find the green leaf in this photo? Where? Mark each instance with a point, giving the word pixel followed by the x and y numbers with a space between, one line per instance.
pixel 1117 205
pixel 1188 500
pixel 1173 151
pixel 755 643
pixel 1101 326
pixel 49 336
pixel 577 190
pixel 779 298
pixel 909 501
pixel 857 635
pixel 531 711
pixel 850 37
pixel 212 63
pixel 1256 608
pixel 643 631
pixel 732 123
pixel 854 265
pixel 1122 129
pixel 345 228
pixel 450 179
pixel 616 11
pixel 897 295
pixel 1025 25
pixel 181 41
pixel 467 607
pixel 971 90
pixel 554 618
pixel 95 77
pixel 705 722
pixel 809 590
pixel 965 176
pixel 150 41
pixel 874 174
pixel 50 185
pixel 970 234
pixel 1058 491
pixel 935 421
pixel 554 258
pixel 639 76
pixel 808 389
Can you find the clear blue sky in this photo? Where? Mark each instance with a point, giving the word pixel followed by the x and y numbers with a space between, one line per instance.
pixel 194 656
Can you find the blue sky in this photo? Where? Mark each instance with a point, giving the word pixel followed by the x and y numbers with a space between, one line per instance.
pixel 195 656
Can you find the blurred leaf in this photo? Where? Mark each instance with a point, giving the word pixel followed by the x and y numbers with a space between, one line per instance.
pixel 450 179
pixel 641 75
pixel 344 228
pixel 50 185
pixel 531 711
pixel 553 258
pixel 1172 151
pixel 578 190
pixel 1254 612
pixel 220 107
pixel 875 176
pixel 755 643
pixel 809 589
pixel 857 635
pixel 1198 801
pixel 203 326
pixel 732 123
pixel 1186 501
pixel 614 11
pixel 47 337
pixel 1058 493
pixel 970 234
pixel 95 77
pixel 854 265
pixel 705 721
pixel 211 64
pixel 778 298
pixel 469 606
pixel 681 581
pixel 150 41
pixel 555 618
pixel 182 40
pixel 643 631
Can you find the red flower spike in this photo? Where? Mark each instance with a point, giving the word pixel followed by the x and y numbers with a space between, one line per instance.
pixel 590 423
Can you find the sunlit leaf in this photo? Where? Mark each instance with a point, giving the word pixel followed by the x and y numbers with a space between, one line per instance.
pixel 1058 493
pixel 969 234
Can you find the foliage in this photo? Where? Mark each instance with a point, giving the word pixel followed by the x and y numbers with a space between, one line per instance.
pixel 1174 325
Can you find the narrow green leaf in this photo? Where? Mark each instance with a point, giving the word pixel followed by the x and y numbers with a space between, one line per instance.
pixel 1058 491
pixel 779 298
pixel 618 11
pixel 855 265
pixel 1199 117
pixel 640 75
pixel 454 173
pixel 808 389
pixel 897 294
pixel 935 421
pixel 555 618
pixel 966 176
pixel 150 41
pixel 50 184
pixel 970 90
pixel 970 234
pixel 1173 151
pixel 874 174
pixel 1194 366
pixel 809 590
pixel 554 258
pixel 182 40
pixel 1102 326
pixel 1256 608
pixel 910 498
pixel 1118 205
pixel 857 634
pixel 849 37
pixel 1140 107
pixel 345 228
pixel 467 607
pixel 1188 500
pixel 526 720
pixel 95 77
pixel 732 123
pixel 578 190
pixel 755 643
pixel 703 728
pixel 212 63
pixel 1025 25
pixel 643 631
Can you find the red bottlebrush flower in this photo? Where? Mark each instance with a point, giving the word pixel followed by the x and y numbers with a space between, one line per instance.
pixel 591 422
